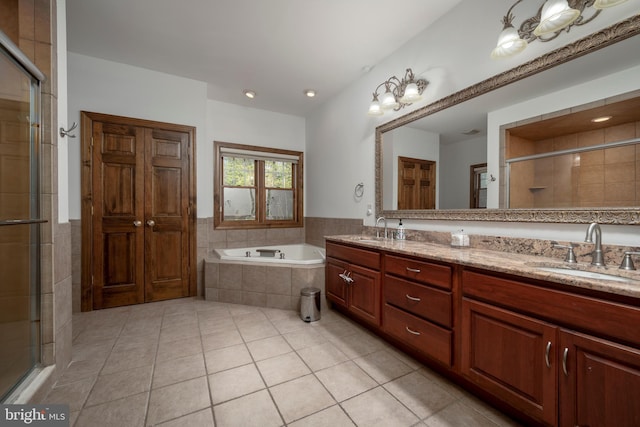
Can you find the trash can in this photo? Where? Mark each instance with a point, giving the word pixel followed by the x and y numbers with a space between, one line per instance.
pixel 310 304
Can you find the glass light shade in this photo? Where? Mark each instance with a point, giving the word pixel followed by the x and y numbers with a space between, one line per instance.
pixel 411 94
pixel 388 101
pixel 556 15
pixel 603 4
pixel 375 109
pixel 509 43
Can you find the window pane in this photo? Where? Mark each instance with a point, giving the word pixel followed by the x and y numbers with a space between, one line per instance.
pixel 238 172
pixel 278 174
pixel 279 204
pixel 239 204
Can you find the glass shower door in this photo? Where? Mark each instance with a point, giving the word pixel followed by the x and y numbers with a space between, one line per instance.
pixel 19 223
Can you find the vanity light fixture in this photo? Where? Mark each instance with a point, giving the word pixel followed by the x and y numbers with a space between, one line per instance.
pixel 249 94
pixel 398 93
pixel 552 18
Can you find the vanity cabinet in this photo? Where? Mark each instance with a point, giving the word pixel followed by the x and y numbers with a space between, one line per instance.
pixel 560 358
pixel 418 305
pixel 353 281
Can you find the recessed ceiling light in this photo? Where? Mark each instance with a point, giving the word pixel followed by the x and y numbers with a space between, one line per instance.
pixel 310 93
pixel 601 119
pixel 249 94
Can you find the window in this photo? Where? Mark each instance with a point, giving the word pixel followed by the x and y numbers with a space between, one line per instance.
pixel 257 187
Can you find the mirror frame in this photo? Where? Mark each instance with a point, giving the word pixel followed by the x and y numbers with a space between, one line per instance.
pixel 595 41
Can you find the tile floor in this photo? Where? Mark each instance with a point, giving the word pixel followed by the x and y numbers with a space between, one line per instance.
pixel 191 362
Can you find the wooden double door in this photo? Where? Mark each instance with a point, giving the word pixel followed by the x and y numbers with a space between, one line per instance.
pixel 138 214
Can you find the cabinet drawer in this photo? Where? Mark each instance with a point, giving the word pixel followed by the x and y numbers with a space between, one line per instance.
pixel 426 337
pixel 423 301
pixel 357 256
pixel 606 318
pixel 421 271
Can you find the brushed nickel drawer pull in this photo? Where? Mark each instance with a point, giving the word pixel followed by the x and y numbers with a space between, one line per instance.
pixel 409 297
pixel 411 332
pixel 546 354
pixel 564 361
pixel 413 270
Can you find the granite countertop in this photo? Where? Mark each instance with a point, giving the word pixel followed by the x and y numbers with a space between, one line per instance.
pixel 505 262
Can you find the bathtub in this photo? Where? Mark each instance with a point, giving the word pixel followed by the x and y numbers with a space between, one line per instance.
pixel 264 281
pixel 303 254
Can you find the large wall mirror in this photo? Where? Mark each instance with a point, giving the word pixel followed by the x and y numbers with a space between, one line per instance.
pixel 442 148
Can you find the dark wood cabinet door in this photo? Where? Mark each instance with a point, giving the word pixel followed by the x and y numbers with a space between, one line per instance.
pixel 336 288
pixel 599 382
pixel 512 356
pixel 118 212
pixel 364 294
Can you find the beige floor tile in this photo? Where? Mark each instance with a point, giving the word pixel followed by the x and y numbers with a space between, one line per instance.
pixel 179 399
pixel 322 356
pixel 345 380
pixel 307 337
pixel 233 383
pixel 456 415
pixel 254 410
pixel 212 326
pixel 221 339
pixel 80 369
pixel 183 318
pixel 92 351
pixel 257 331
pixel 301 397
pixel 383 366
pixel 202 418
pixel 268 347
pixel 491 413
pixel 227 358
pixel 378 408
pixel 121 384
pixel 330 417
pixel 282 368
pixel 451 388
pixel 129 411
pixel 177 370
pixel 73 394
pixel 357 345
pixel 119 361
pixel 180 348
pixel 420 395
pixel 179 332
pixel 142 326
pixel 289 324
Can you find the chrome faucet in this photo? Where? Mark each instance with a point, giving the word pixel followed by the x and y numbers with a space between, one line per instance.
pixel 597 256
pixel 385 227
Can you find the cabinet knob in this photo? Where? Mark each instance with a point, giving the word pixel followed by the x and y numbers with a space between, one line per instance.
pixel 137 223
pixel 151 223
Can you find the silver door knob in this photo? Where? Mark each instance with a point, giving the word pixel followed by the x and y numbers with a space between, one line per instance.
pixel 137 223
pixel 151 223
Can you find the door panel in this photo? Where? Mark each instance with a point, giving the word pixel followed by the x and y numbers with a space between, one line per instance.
pixel 118 245
pixel 167 215
pixel 416 183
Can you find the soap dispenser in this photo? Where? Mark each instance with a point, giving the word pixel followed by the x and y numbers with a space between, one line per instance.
pixel 400 235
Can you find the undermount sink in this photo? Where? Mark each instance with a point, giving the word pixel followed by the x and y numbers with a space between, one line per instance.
pixel 588 274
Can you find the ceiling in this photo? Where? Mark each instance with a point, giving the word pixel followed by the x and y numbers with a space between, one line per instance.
pixel 277 48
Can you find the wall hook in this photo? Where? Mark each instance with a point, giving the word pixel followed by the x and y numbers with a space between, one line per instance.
pixel 64 133
pixel 492 178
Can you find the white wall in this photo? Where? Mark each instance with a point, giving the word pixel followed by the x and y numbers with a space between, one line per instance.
pixel 340 135
pixel 242 125
pixel 455 181
pixel 107 87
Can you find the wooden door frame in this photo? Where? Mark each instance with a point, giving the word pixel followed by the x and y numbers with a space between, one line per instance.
pixel 86 214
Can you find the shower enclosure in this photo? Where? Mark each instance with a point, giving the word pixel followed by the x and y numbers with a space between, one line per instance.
pixel 19 216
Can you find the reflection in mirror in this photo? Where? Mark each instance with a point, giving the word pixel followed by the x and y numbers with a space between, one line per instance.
pixel 582 159
pixel 452 133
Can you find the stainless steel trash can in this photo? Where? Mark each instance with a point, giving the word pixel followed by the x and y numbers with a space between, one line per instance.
pixel 310 304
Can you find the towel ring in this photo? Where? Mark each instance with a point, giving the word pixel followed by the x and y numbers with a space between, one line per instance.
pixel 359 190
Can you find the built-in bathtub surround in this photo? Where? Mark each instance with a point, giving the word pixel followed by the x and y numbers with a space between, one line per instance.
pixel 260 284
